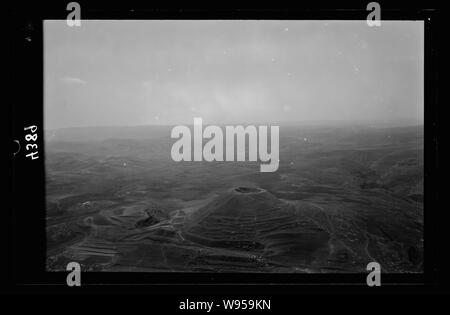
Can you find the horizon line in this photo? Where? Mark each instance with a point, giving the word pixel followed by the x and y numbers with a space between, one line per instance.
pixel 403 122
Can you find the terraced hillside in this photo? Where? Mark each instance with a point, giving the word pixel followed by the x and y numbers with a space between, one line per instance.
pixel 340 199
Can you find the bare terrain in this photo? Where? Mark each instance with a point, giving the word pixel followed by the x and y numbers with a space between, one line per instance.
pixel 343 196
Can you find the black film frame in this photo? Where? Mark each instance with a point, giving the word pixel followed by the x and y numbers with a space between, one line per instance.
pixel 26 221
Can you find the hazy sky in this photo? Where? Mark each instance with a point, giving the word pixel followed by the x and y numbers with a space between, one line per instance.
pixel 167 72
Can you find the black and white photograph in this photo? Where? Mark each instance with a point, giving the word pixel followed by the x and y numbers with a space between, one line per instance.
pixel 234 146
